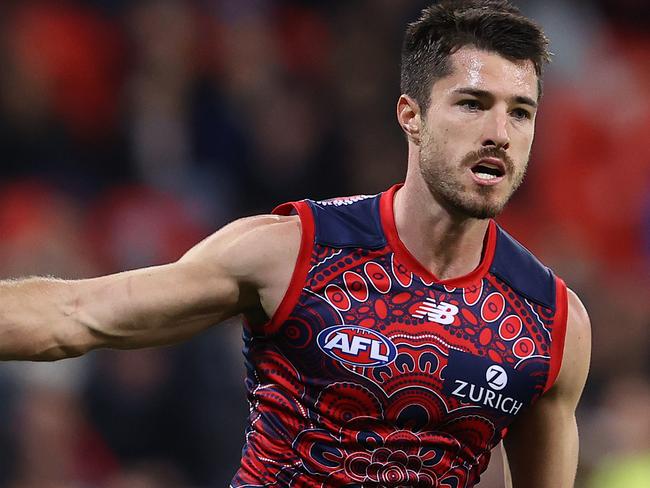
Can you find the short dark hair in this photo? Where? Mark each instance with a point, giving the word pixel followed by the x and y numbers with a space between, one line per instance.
pixel 443 28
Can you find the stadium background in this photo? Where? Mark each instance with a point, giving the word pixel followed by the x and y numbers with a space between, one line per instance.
pixel 131 129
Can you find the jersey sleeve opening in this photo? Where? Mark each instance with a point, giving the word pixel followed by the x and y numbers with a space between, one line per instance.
pixel 558 333
pixel 301 267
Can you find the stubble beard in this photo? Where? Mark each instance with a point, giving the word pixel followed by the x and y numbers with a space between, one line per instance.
pixel 445 184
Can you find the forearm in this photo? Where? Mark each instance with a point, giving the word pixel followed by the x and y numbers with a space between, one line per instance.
pixel 45 319
pixel 36 322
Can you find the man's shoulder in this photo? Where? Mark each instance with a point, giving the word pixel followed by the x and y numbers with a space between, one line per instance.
pixel 268 237
pixel 250 245
pixel 511 247
pixel 352 221
pixel 515 264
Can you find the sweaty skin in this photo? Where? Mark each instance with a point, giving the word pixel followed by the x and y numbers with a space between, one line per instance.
pixel 475 67
pixel 488 103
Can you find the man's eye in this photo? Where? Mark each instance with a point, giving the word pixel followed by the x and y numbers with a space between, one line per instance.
pixel 472 105
pixel 521 114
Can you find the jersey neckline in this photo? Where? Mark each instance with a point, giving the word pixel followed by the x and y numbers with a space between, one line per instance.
pixel 403 255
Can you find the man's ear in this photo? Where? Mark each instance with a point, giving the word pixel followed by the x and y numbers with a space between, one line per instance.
pixel 409 118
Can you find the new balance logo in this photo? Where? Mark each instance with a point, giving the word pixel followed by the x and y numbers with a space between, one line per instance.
pixel 440 313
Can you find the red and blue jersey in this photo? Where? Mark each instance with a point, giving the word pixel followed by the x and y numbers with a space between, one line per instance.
pixel 373 373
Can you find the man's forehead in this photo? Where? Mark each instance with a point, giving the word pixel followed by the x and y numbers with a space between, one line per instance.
pixel 486 70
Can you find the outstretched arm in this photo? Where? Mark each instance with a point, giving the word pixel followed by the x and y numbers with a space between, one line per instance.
pixel 542 445
pixel 224 275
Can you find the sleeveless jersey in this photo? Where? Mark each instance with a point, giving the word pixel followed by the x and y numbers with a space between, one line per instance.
pixel 373 373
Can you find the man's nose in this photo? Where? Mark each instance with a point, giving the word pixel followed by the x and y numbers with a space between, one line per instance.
pixel 495 133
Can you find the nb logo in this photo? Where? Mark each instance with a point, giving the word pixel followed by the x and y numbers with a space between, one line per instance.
pixel 496 377
pixel 440 313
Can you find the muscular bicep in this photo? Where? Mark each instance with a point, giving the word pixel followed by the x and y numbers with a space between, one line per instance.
pixel 542 444
pixel 152 306
pixel 220 277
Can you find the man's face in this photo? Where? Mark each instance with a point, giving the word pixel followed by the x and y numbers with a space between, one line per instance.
pixel 477 133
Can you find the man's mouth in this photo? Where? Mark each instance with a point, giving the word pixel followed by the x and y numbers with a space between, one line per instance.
pixel 488 171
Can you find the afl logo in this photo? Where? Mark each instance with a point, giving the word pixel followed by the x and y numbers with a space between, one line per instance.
pixel 496 377
pixel 356 345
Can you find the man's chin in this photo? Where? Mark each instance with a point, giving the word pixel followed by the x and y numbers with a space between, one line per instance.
pixel 482 203
pixel 478 210
pixel 484 213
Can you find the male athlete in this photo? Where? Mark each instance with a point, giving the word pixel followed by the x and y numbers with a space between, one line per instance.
pixel 391 340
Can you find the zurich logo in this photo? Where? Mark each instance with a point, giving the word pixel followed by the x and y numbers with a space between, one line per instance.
pixel 357 345
pixel 496 377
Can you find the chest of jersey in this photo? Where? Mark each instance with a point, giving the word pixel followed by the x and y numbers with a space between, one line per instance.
pixel 370 336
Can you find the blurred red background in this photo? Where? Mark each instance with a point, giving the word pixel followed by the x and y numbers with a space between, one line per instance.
pixel 131 130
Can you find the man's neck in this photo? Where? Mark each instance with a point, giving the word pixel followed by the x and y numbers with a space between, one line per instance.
pixel 448 246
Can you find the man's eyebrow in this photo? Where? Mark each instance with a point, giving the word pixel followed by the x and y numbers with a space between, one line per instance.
pixel 520 99
pixel 526 101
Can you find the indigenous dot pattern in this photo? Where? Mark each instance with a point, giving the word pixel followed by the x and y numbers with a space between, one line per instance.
pixel 319 422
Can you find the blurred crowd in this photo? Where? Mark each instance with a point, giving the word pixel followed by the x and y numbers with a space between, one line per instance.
pixel 130 130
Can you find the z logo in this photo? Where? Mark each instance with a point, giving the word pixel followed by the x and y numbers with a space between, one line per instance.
pixel 496 377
